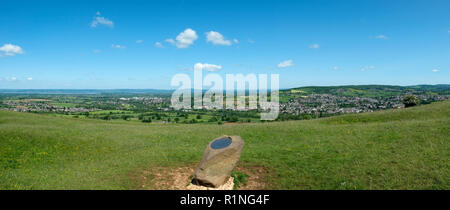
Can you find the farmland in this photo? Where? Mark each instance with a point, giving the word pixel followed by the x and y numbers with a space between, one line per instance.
pixel 153 106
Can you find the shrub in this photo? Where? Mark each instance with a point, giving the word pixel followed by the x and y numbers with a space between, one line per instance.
pixel 410 100
pixel 212 119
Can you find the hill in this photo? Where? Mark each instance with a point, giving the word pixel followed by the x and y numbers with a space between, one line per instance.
pixel 369 91
pixel 393 149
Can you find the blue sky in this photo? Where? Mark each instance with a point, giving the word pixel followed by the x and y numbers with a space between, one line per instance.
pixel 95 44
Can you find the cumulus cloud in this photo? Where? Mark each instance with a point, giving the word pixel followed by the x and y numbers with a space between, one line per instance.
pixel 314 46
pixel 207 67
pixel 158 45
pixel 184 39
pixel 10 50
pixel 381 36
pixel 434 70
pixel 99 20
pixel 30 78
pixel 118 46
pixel 285 64
pixel 216 38
pixel 365 68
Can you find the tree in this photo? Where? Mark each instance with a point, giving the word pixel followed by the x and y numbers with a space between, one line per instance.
pixel 126 117
pixel 107 117
pixel 234 119
pixel 410 101
pixel 147 120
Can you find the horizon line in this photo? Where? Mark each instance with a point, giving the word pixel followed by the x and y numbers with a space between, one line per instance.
pixel 207 88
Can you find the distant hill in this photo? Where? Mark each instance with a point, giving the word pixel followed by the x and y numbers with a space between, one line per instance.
pixel 393 149
pixel 369 91
pixel 82 91
pixel 348 90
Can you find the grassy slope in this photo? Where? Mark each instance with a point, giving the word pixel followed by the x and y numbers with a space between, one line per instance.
pixel 395 149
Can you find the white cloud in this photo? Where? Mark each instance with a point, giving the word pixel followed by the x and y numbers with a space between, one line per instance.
pixel 235 41
pixel 10 50
pixel 381 36
pixel 207 67
pixel 314 46
pixel 335 68
pixel 158 45
pixel 171 41
pixel 30 78
pixel 184 39
pixel 434 70
pixel 139 41
pixel 365 68
pixel 118 46
pixel 216 38
pixel 98 20
pixel 285 64
pixel 11 79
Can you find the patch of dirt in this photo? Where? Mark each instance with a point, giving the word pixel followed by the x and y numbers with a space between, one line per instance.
pixel 257 177
pixel 228 185
pixel 170 178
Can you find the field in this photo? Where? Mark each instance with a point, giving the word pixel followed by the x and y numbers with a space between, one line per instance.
pixel 393 149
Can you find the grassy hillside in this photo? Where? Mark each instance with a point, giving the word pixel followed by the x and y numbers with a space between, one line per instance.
pixel 395 149
pixel 369 91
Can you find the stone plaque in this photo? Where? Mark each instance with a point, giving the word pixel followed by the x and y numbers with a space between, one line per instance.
pixel 219 159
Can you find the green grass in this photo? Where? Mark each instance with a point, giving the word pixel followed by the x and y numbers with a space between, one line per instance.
pixel 239 179
pixel 394 149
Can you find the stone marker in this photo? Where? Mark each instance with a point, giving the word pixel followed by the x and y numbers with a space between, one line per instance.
pixel 219 159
